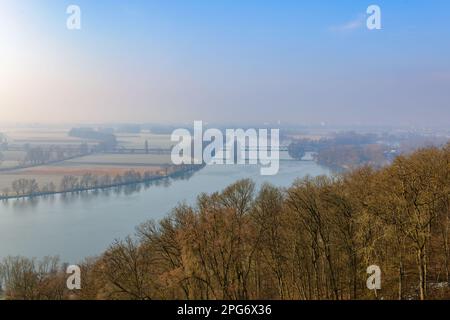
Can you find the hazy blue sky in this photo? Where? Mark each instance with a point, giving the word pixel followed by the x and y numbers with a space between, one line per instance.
pixel 225 60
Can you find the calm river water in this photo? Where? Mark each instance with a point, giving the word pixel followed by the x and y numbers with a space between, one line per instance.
pixel 76 226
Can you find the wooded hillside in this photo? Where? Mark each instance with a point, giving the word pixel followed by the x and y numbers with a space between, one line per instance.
pixel 314 240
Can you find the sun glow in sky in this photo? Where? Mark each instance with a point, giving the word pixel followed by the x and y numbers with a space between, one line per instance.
pixel 221 61
pixel 9 32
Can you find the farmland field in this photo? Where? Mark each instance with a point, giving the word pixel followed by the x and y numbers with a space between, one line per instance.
pixel 42 137
pixel 121 160
pixel 97 164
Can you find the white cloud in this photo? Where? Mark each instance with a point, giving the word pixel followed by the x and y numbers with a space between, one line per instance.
pixel 354 24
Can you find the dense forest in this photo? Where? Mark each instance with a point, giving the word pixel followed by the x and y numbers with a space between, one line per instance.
pixel 313 240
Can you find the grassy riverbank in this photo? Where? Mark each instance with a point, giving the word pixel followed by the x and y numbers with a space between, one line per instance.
pixel 137 178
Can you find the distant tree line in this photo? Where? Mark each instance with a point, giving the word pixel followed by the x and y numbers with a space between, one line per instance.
pixel 3 146
pixel 91 181
pixel 38 155
pixel 130 128
pixel 3 141
pixel 311 241
pixel 350 156
pixel 107 140
pixel 342 151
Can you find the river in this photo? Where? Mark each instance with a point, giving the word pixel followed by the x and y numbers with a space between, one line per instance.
pixel 76 226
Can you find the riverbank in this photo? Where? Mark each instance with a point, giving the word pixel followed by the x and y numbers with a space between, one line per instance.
pixel 177 173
